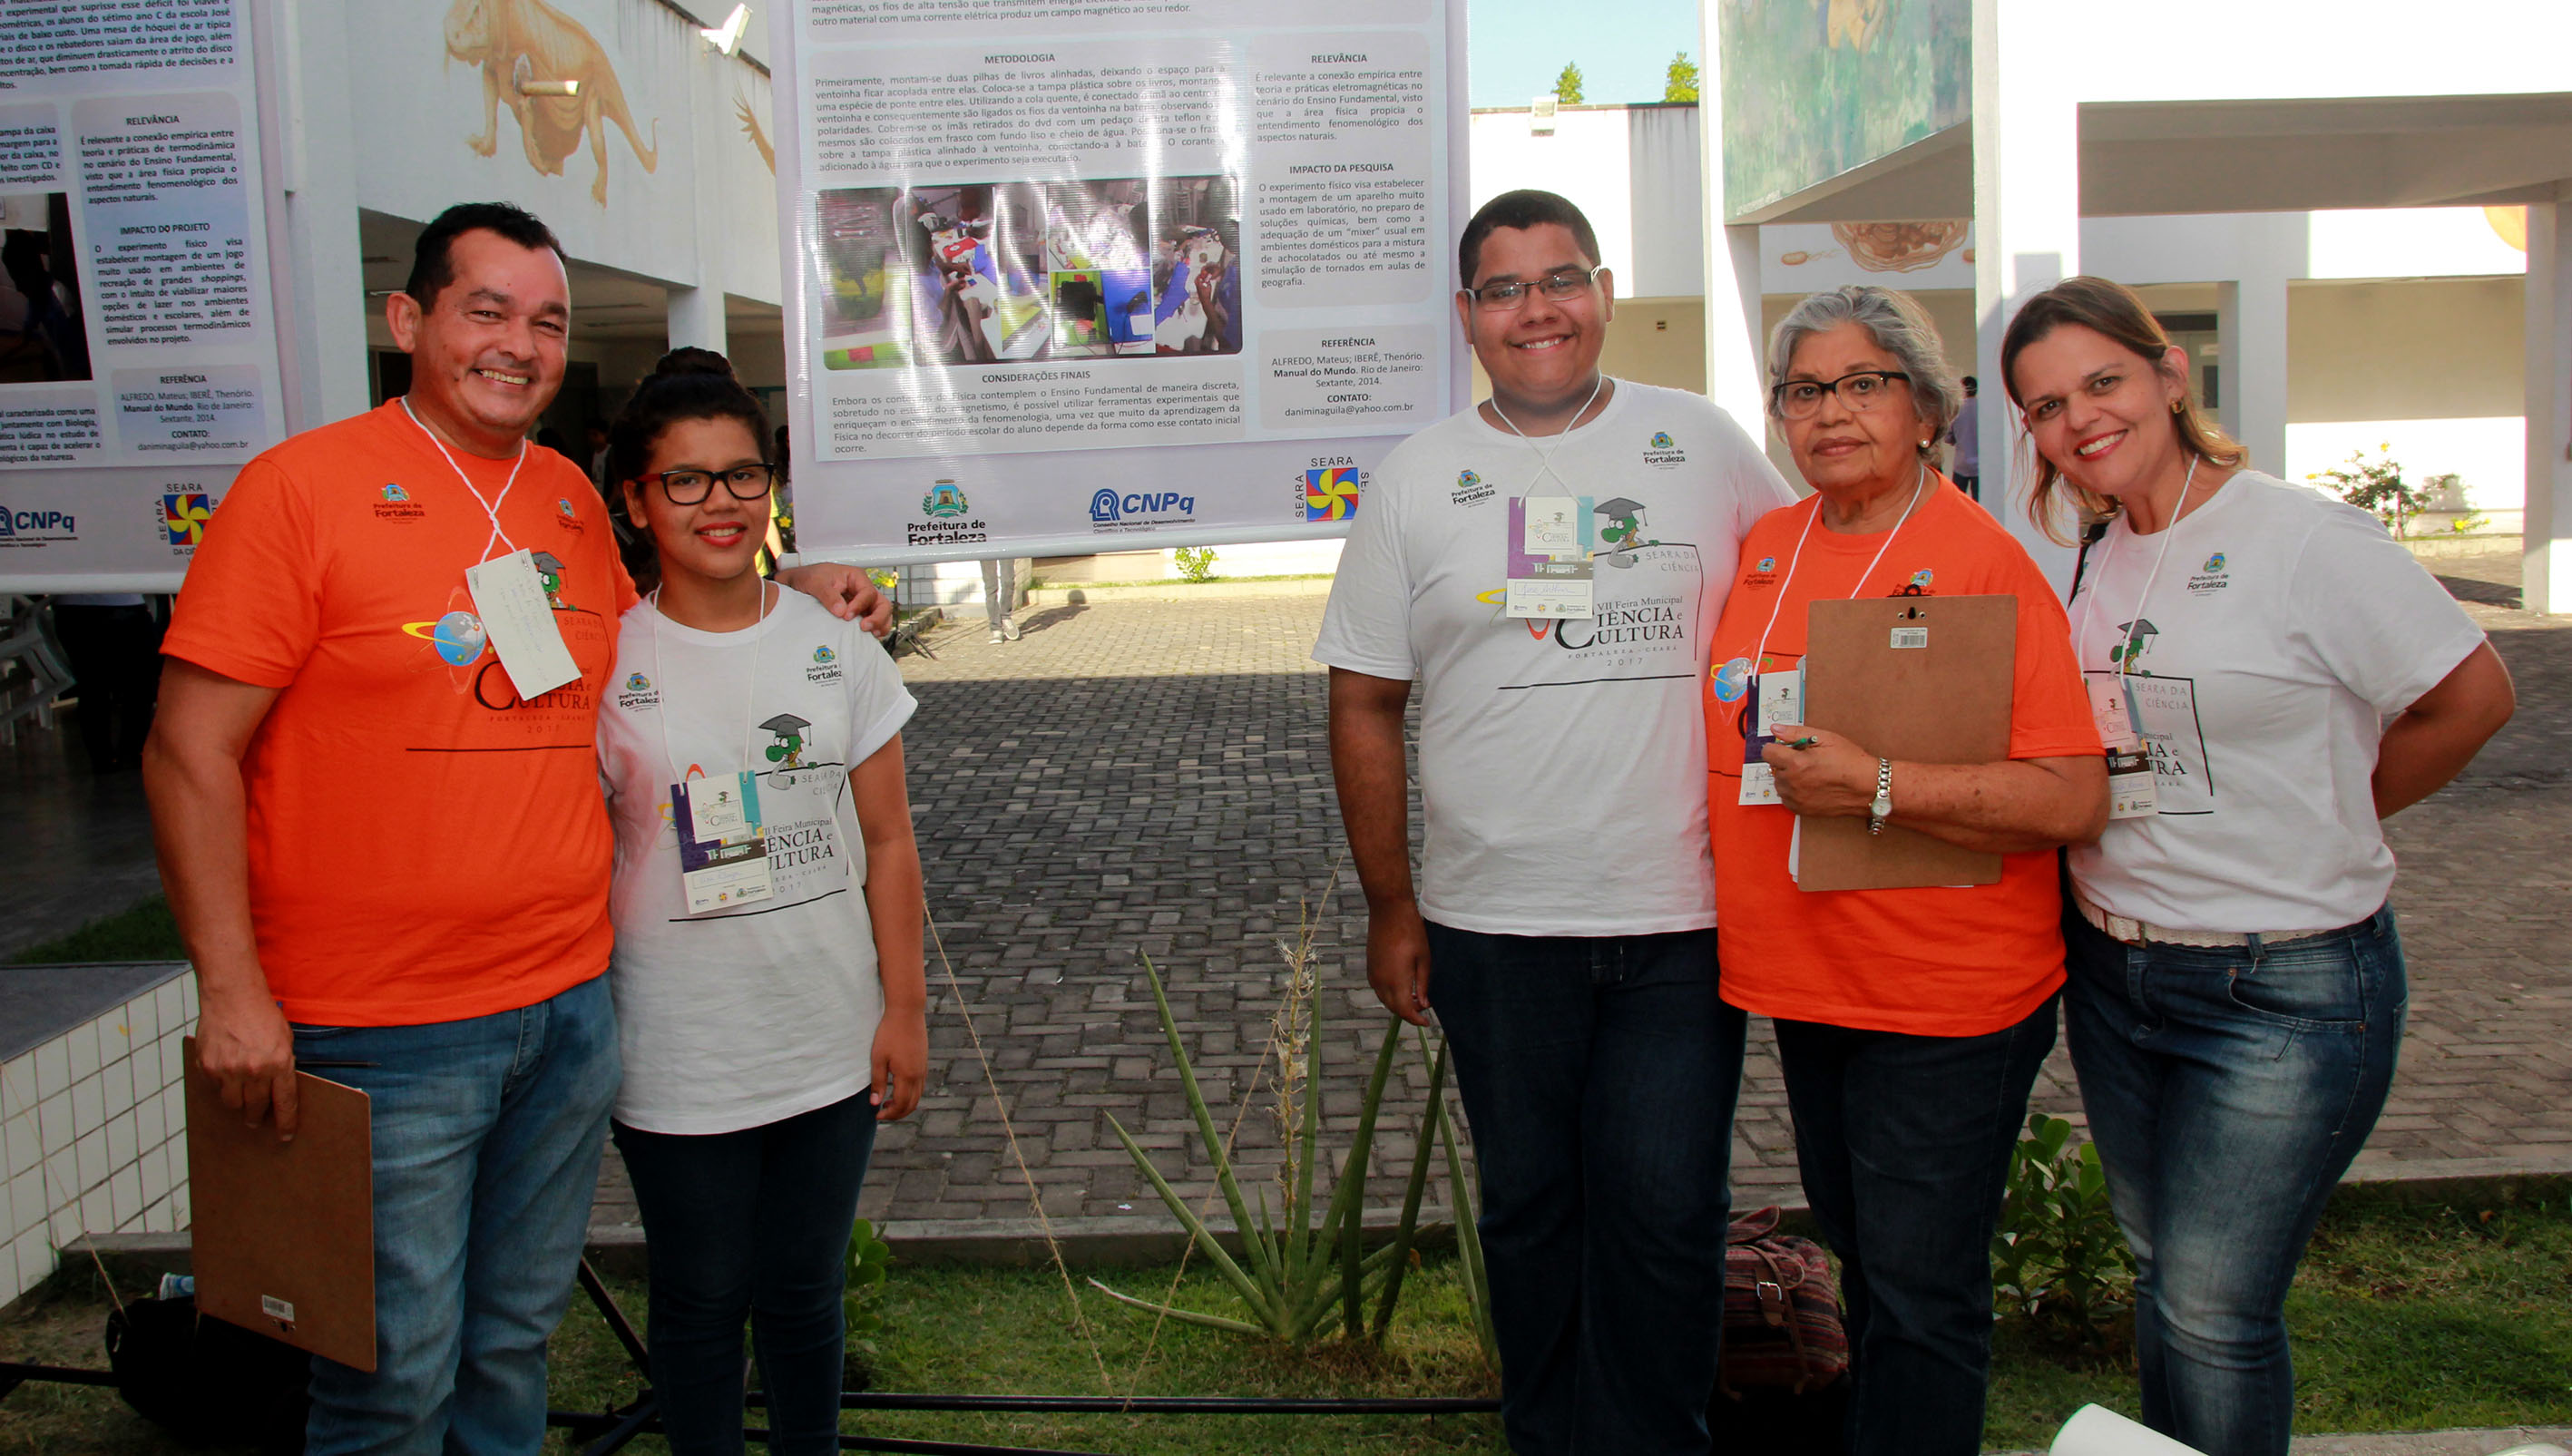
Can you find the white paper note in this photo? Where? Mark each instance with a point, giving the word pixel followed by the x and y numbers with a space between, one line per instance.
pixel 510 600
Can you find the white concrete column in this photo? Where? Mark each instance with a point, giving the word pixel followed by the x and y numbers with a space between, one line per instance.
pixel 2547 583
pixel 2027 227
pixel 1732 374
pixel 329 317
pixel 2251 355
pixel 697 318
pixel 1735 377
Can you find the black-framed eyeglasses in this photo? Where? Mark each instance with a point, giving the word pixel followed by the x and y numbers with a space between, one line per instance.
pixel 1860 391
pixel 1504 294
pixel 687 487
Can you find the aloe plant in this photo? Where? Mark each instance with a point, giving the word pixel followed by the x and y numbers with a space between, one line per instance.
pixel 1285 1278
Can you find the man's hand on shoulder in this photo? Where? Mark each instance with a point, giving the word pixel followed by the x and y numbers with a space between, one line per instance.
pixel 846 591
pixel 244 1045
pixel 1398 962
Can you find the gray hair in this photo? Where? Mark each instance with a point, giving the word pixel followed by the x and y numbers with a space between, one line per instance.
pixel 1899 326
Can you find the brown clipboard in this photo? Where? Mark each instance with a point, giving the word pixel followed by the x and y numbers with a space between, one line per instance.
pixel 1927 679
pixel 283 1235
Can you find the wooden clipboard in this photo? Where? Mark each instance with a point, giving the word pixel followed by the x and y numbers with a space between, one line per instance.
pixel 1921 678
pixel 283 1233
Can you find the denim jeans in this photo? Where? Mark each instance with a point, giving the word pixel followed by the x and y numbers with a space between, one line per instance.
pixel 751 1223
pixel 1905 1143
pixel 1598 1076
pixel 486 1140
pixel 2228 1091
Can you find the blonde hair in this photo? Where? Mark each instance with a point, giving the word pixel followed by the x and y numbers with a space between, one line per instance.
pixel 2113 312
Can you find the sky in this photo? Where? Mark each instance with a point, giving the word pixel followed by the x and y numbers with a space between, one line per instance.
pixel 1623 47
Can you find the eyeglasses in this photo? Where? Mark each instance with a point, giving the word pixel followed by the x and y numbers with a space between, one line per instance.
pixel 1504 295
pixel 687 487
pixel 1860 391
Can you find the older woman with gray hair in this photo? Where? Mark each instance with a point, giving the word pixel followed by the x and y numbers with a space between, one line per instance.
pixel 1911 1023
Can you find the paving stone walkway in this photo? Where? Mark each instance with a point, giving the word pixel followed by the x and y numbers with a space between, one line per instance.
pixel 1138 779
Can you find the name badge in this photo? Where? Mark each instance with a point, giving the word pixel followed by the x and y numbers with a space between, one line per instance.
pixel 1549 572
pixel 1775 697
pixel 2132 792
pixel 723 845
pixel 509 597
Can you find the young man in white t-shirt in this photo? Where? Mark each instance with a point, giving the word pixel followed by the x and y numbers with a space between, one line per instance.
pixel 1548 566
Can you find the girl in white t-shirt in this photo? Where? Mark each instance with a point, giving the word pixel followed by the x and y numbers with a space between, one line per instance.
pixel 767 902
pixel 2273 675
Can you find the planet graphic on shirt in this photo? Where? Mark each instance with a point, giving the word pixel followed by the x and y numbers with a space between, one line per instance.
pixel 1731 680
pixel 457 636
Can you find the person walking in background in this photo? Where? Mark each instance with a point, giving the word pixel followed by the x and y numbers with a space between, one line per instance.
pixel 112 644
pixel 594 453
pixel 2287 676
pixel 1564 921
pixel 1911 1023
pixel 768 1017
pixel 1000 598
pixel 1965 435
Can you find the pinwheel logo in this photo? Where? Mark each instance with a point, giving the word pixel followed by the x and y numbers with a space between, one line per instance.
pixel 184 515
pixel 1330 494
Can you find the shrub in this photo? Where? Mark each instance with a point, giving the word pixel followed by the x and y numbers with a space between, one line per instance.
pixel 2059 1255
pixel 1195 563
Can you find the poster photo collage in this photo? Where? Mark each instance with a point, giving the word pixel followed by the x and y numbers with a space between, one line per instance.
pixel 1002 272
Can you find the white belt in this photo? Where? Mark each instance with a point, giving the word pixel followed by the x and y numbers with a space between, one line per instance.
pixel 2136 932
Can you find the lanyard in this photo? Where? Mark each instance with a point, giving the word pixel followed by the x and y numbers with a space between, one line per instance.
pixel 491 508
pixel 749 710
pixel 2126 659
pixel 1759 659
pixel 1543 456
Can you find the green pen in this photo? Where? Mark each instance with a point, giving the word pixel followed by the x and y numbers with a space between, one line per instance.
pixel 1802 742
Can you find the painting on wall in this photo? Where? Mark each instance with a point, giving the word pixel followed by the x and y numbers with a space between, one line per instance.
pixel 1815 88
pixel 555 79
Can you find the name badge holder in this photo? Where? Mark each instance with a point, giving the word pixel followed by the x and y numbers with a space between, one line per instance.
pixel 723 841
pixel 508 594
pixel 1547 560
pixel 1779 697
pixel 723 845
pixel 1549 570
pixel 2134 786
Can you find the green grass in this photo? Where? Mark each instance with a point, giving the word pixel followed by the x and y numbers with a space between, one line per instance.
pixel 2408 1316
pixel 146 932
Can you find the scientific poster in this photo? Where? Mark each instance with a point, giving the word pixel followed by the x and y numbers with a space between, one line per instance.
pixel 1073 276
pixel 139 364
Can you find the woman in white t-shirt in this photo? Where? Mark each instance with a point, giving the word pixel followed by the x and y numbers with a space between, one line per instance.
pixel 767 902
pixel 2274 674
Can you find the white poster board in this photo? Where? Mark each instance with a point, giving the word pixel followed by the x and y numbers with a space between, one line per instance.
pixel 1073 276
pixel 139 363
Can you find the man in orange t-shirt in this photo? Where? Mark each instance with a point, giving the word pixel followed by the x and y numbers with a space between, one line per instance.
pixel 382 857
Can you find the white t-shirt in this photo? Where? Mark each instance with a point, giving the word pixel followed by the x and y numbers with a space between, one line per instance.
pixel 1561 763
pixel 2282 632
pixel 740 1018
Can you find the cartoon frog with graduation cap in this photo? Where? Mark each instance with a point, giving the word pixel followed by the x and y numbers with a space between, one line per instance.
pixel 788 750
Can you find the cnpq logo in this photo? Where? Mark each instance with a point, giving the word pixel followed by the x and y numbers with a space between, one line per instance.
pixel 1148 507
pixel 37 527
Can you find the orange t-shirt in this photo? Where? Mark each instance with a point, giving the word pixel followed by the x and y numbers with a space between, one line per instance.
pixel 1931 962
pixel 424 846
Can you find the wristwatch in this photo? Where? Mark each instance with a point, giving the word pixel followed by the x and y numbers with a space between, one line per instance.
pixel 1882 809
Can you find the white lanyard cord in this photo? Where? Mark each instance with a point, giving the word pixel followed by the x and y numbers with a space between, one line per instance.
pixel 749 707
pixel 2126 659
pixel 1759 658
pixel 491 508
pixel 1544 457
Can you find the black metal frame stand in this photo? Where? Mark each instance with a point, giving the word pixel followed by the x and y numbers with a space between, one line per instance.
pixel 609 1431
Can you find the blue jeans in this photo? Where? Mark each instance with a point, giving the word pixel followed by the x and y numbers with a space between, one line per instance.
pixel 2228 1091
pixel 486 1140
pixel 1904 1144
pixel 1599 1075
pixel 751 1223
